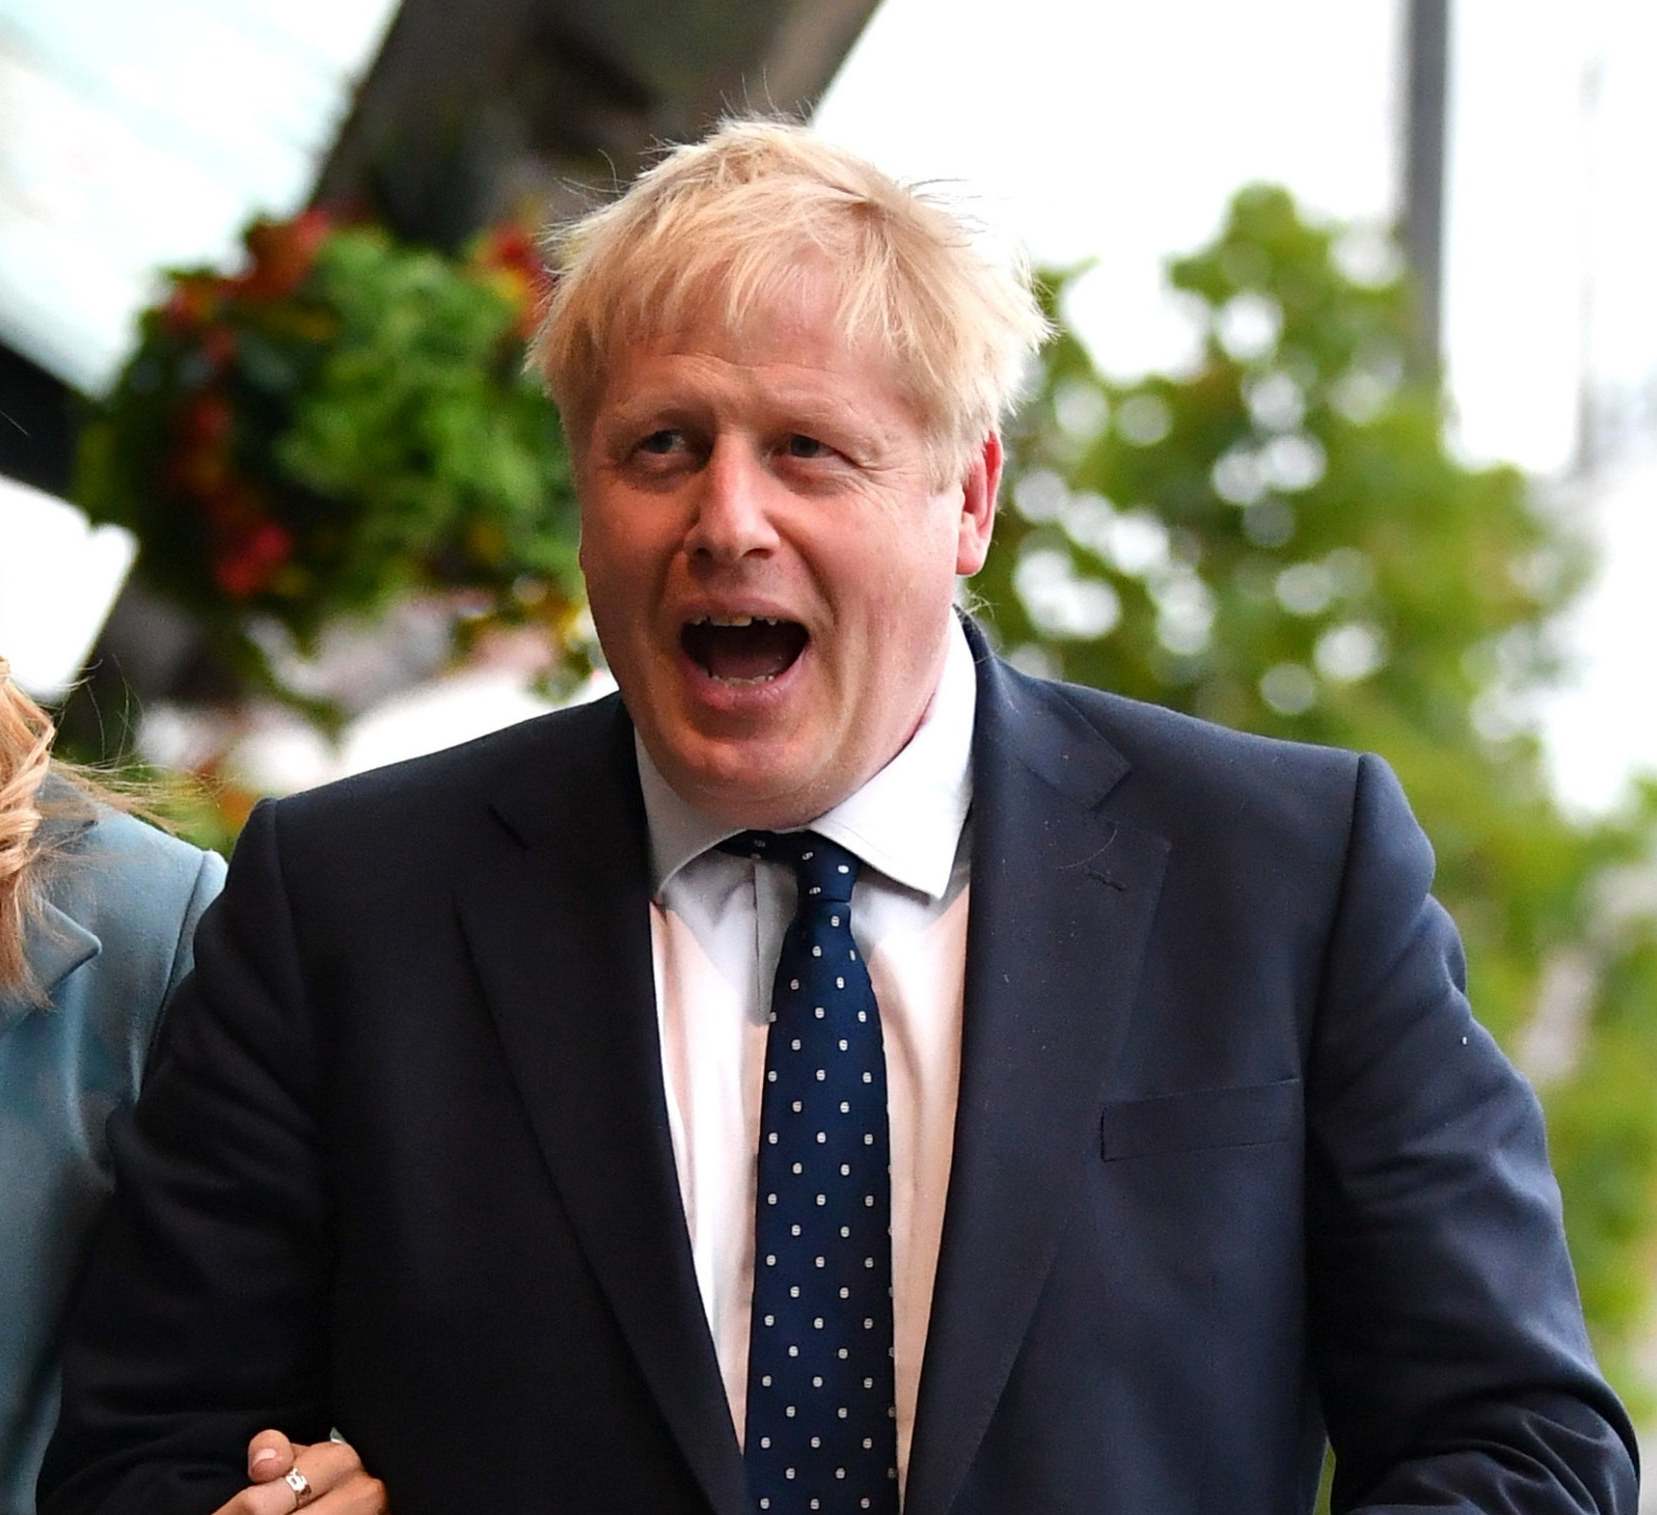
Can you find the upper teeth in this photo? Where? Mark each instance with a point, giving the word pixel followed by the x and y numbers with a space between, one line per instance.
pixel 734 620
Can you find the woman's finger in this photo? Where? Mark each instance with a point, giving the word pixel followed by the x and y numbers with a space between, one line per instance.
pixel 314 1474
pixel 269 1455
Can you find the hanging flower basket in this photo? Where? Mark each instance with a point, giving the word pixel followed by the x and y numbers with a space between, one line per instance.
pixel 342 423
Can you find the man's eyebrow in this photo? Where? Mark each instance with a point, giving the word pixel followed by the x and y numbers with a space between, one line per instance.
pixel 797 408
pixel 640 408
pixel 844 415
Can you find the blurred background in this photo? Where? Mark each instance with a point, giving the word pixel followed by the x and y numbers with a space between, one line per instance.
pixel 1350 433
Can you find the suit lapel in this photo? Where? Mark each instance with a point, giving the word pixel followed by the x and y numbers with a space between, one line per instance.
pixel 558 924
pixel 1062 900
pixel 55 946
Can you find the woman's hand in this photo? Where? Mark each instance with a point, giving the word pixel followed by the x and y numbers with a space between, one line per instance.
pixel 326 1478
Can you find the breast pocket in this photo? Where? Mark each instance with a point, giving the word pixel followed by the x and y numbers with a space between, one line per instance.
pixel 1201 1118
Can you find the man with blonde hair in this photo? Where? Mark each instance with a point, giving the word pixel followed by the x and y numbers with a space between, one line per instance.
pixel 840 1070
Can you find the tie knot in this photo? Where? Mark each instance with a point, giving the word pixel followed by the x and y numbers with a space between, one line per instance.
pixel 824 870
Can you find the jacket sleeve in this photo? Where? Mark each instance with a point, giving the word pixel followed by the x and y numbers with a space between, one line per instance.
pixel 202 1313
pixel 1448 1338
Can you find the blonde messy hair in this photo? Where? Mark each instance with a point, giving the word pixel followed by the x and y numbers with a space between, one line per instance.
pixel 734 221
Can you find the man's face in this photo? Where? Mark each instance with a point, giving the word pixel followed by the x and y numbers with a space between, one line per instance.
pixel 771 558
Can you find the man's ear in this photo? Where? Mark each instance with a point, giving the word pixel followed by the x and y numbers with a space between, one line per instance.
pixel 978 491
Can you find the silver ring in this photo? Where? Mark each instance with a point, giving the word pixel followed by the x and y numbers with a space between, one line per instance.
pixel 303 1493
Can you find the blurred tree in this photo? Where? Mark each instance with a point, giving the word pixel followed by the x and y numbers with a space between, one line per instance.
pixel 1282 539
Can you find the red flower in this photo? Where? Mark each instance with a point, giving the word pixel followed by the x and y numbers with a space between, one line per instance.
pixel 283 253
pixel 218 346
pixel 508 247
pixel 207 419
pixel 194 300
pixel 248 564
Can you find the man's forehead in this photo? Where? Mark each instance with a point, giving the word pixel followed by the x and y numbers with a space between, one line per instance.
pixel 649 381
pixel 837 380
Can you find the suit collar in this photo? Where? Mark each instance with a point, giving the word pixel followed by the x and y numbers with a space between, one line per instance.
pixel 55 945
pixel 906 821
pixel 1063 894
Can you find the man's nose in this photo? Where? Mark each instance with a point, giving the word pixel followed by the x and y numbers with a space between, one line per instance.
pixel 732 519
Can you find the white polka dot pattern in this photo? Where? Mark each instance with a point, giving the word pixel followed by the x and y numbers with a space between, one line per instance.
pixel 820 1426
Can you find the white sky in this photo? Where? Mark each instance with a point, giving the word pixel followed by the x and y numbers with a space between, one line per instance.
pixel 1102 129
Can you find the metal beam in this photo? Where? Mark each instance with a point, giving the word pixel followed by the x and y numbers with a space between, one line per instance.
pixel 1426 99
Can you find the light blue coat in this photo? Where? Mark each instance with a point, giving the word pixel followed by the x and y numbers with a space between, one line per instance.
pixel 111 945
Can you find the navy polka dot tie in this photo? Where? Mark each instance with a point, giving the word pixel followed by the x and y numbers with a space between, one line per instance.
pixel 821 1425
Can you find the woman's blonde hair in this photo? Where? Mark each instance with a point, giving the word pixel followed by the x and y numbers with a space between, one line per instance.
pixel 734 221
pixel 25 759
pixel 35 788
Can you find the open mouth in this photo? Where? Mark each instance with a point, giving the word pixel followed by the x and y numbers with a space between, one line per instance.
pixel 743 649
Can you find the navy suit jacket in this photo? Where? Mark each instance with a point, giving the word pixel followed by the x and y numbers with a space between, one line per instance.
pixel 1233 1159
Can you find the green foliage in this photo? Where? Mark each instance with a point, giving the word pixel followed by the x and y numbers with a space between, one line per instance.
pixel 436 452
pixel 1281 539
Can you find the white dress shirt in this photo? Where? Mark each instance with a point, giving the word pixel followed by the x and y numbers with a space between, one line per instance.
pixel 717 925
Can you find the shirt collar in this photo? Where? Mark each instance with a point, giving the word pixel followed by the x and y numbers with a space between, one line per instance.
pixel 906 821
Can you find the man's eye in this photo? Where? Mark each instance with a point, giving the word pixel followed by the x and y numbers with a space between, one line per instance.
pixel 660 443
pixel 801 446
